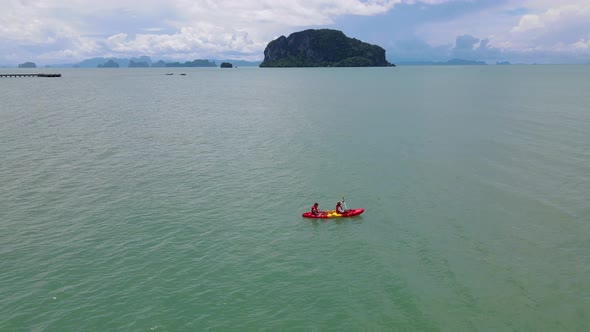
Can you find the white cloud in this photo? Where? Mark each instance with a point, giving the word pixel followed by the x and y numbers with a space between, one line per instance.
pixel 170 28
pixel 555 30
pixel 202 39
pixel 582 44
pixel 561 27
pixel 529 22
pixel 555 17
pixel 71 30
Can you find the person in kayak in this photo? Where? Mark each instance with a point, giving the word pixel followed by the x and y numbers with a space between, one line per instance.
pixel 314 209
pixel 340 209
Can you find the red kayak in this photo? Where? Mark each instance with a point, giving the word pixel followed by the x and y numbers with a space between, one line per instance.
pixel 333 214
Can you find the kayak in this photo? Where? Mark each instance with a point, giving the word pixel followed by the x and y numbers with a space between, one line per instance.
pixel 333 214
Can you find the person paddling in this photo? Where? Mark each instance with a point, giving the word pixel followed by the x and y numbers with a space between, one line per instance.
pixel 314 209
pixel 340 209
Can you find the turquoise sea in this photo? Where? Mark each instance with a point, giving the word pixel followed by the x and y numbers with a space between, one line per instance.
pixel 131 200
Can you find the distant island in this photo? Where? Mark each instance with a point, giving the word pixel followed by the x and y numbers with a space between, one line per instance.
pixel 226 65
pixel 27 65
pixel 159 64
pixel 452 62
pixel 146 61
pixel 139 64
pixel 109 64
pixel 194 63
pixel 322 48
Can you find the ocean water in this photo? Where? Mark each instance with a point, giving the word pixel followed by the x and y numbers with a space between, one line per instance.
pixel 131 200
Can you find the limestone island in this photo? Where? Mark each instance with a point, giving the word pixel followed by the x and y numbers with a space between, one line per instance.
pixel 322 48
pixel 109 64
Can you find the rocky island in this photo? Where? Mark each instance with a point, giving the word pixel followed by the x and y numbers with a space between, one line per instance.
pixel 27 65
pixel 109 64
pixel 322 48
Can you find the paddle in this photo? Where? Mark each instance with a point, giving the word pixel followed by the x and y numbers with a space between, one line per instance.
pixel 344 203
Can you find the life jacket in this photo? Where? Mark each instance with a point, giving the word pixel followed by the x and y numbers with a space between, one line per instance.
pixel 339 209
pixel 314 210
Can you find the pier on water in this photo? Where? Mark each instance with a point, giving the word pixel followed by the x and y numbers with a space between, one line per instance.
pixel 30 75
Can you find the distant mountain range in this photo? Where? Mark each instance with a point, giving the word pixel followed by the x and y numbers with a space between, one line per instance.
pixel 146 61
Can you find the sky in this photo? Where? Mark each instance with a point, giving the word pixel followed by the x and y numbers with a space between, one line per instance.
pixel 69 31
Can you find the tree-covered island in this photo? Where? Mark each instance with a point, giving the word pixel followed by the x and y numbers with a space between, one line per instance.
pixel 322 48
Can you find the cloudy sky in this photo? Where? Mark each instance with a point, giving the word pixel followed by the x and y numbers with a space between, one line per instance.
pixel 68 31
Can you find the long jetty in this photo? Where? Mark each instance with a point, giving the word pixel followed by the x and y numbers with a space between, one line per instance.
pixel 30 75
